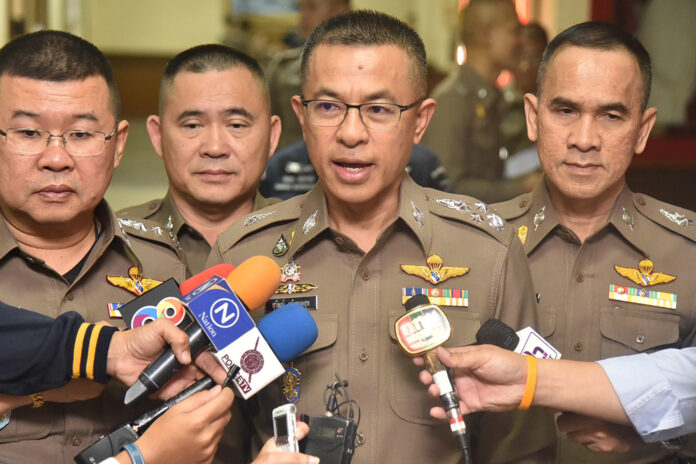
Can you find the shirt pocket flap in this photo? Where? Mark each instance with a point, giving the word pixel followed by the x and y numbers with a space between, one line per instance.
pixel 328 331
pixel 640 330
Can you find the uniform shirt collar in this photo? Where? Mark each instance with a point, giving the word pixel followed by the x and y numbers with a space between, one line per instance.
pixel 622 218
pixel 542 218
pixel 107 234
pixel 175 221
pixel 313 220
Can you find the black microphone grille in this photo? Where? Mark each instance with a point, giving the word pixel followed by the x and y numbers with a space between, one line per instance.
pixel 498 333
pixel 415 301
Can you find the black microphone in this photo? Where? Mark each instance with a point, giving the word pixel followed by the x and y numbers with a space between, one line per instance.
pixel 420 331
pixel 524 341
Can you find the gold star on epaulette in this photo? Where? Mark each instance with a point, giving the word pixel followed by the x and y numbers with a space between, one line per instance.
pixel 134 284
pixel 644 275
pixel 434 272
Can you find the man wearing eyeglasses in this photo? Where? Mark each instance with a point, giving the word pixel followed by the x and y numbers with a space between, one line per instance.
pixel 61 247
pixel 366 238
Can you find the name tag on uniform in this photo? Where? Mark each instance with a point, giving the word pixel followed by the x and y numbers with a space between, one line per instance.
pixel 643 296
pixel 439 296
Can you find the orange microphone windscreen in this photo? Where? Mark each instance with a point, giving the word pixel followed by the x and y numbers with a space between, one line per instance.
pixel 255 280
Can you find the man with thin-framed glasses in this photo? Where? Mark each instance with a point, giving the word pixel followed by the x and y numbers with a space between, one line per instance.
pixel 61 247
pixel 366 238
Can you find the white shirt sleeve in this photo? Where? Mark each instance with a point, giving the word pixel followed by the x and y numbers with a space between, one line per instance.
pixel 657 391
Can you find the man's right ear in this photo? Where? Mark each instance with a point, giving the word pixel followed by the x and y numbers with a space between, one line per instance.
pixel 154 129
pixel 531 112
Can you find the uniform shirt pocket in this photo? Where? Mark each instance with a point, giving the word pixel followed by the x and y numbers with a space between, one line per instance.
pixel 408 397
pixel 627 330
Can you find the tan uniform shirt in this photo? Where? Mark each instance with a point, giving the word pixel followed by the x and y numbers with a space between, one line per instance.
pixel 590 309
pixel 283 82
pixel 355 298
pixel 465 133
pixel 55 433
pixel 196 252
pixel 193 246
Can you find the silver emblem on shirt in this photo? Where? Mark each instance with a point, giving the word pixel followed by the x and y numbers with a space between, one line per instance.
pixel 677 218
pixel 254 218
pixel 481 206
pixel 310 222
pixel 418 214
pixel 495 221
pixel 451 203
pixel 476 217
pixel 137 225
pixel 170 228
pixel 627 217
pixel 539 217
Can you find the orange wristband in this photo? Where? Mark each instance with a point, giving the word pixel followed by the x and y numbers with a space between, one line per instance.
pixel 529 389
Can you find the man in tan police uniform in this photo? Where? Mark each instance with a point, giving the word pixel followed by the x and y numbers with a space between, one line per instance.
pixel 61 248
pixel 367 237
pixel 466 129
pixel 611 268
pixel 215 134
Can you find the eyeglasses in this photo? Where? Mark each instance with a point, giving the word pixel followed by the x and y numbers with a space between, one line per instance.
pixel 378 116
pixel 30 142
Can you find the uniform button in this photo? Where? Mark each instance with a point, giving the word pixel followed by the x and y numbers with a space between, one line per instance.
pixel 365 274
pixel 69 297
pixel 76 441
pixel 579 277
pixel 360 439
pixel 641 201
pixel 640 339
pixel 523 203
pixel 339 240
pixel 579 346
pixel 363 355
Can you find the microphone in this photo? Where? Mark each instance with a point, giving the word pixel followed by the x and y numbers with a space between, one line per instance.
pixel 192 283
pixel 525 341
pixel 291 318
pixel 248 286
pixel 420 331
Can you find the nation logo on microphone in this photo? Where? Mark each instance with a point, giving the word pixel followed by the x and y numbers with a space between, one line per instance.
pixel 422 329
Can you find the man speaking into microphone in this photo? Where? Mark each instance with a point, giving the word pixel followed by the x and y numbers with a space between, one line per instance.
pixel 366 238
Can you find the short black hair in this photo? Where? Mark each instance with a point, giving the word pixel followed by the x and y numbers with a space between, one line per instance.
pixel 204 58
pixel 604 36
pixel 57 56
pixel 367 28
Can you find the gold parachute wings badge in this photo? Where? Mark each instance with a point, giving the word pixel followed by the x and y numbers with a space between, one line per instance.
pixel 644 275
pixel 434 272
pixel 135 283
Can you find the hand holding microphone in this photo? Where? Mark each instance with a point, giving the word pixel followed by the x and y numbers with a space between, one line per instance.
pixel 420 331
pixel 252 284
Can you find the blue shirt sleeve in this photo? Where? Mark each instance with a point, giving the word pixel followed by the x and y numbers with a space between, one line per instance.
pixel 657 391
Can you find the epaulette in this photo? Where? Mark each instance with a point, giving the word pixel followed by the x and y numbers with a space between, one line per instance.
pixel 142 211
pixel 514 207
pixel 678 220
pixel 146 229
pixel 469 210
pixel 275 214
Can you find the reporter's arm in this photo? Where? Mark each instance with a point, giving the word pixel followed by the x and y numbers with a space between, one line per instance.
pixel 661 401
pixel 40 353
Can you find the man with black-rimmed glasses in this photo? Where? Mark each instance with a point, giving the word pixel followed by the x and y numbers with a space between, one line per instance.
pixel 61 248
pixel 366 238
